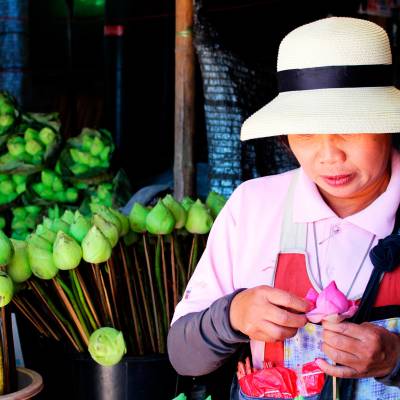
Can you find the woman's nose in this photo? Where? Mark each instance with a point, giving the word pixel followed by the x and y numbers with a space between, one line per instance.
pixel 330 151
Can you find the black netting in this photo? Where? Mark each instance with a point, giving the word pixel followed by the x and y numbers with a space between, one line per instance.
pixel 233 90
pixel 13 46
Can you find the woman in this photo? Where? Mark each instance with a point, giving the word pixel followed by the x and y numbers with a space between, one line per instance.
pixel 280 235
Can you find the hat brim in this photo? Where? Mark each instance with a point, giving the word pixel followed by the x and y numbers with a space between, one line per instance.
pixel 339 110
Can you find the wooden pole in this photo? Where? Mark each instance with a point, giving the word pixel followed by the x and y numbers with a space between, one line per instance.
pixel 184 100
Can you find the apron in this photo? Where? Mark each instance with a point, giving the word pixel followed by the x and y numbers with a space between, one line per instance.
pixel 292 273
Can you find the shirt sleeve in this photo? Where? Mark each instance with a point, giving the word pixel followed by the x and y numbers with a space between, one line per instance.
pixel 200 342
pixel 201 337
pixel 214 276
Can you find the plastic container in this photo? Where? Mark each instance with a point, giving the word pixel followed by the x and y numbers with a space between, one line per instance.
pixel 29 382
pixel 134 378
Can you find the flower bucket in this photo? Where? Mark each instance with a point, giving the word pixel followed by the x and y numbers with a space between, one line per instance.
pixel 29 384
pixel 136 378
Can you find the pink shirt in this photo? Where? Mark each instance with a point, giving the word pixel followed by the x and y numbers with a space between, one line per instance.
pixel 243 244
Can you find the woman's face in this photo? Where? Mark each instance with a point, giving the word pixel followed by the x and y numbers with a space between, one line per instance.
pixel 351 166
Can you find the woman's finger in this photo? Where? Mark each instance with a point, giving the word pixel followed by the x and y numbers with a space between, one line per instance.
pixel 288 300
pixel 342 342
pixel 341 357
pixel 336 370
pixel 276 332
pixel 282 317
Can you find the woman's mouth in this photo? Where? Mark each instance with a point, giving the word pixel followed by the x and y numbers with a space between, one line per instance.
pixel 337 180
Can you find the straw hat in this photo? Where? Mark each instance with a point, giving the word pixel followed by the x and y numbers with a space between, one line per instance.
pixel 334 76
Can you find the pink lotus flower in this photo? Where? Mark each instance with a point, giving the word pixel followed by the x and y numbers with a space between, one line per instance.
pixel 330 305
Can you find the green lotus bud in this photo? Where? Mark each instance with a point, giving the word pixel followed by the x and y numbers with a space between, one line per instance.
pixel 215 203
pixel 3 198
pixel 137 218
pixel 86 142
pixel 6 122
pixel 33 147
pixel 7 108
pixel 11 197
pixel 68 217
pixel 78 169
pixel 40 242
pixel 16 146
pixel 71 195
pixel 93 161
pixel 20 188
pixel 54 212
pixel 39 188
pixel 58 185
pixel 59 225
pixel 107 215
pixel 182 396
pixel 160 221
pixel 45 233
pixel 199 219
pixel 177 210
pixel 104 190
pixel 18 224
pixel 18 268
pixel 32 209
pixel 18 179
pixel 67 253
pixel 6 249
pixel 19 212
pixel 80 157
pixel 37 159
pixel 7 187
pixel 107 346
pixel 47 177
pixel 81 185
pixel 97 146
pixel 47 136
pixel 108 229
pixel 30 221
pixel 31 134
pixel 80 227
pixel 41 262
pixel 105 153
pixel 123 219
pixel 6 289
pixel 187 202
pixel 95 246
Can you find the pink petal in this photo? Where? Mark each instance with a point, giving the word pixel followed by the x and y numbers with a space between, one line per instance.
pixel 312 296
pixel 351 311
pixel 315 317
pixel 332 300
pixel 331 305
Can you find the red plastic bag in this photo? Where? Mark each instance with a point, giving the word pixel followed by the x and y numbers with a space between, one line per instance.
pixel 283 383
pixel 276 382
pixel 312 379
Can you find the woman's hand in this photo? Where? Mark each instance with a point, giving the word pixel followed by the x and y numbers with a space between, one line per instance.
pixel 268 314
pixel 364 350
